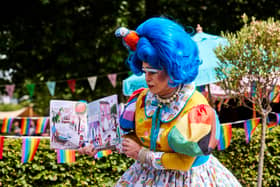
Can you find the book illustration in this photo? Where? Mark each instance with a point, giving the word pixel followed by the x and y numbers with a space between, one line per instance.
pixel 68 122
pixel 103 123
pixel 74 124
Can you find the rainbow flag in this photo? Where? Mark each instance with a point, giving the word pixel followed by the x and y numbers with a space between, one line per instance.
pixel 25 125
pixel 278 118
pixel 7 125
pixel 29 148
pixel 103 153
pixel 65 156
pixel 41 125
pixel 271 124
pixel 274 95
pixel 1 146
pixel 225 136
pixel 250 126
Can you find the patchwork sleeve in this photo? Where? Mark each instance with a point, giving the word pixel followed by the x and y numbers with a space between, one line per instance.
pixel 127 118
pixel 196 133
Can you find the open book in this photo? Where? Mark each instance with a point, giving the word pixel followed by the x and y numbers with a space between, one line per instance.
pixel 75 123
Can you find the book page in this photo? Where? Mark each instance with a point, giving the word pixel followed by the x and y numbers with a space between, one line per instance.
pixel 103 123
pixel 68 124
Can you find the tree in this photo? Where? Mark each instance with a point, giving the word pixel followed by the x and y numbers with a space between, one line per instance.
pixel 60 40
pixel 46 40
pixel 251 64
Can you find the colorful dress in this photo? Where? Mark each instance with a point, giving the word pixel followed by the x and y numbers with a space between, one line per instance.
pixel 181 135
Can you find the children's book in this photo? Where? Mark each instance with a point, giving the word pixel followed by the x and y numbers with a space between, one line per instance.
pixel 74 124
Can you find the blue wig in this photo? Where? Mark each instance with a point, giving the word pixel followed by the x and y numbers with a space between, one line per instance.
pixel 164 44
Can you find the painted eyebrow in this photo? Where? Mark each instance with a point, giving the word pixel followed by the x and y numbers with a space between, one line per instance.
pixel 153 70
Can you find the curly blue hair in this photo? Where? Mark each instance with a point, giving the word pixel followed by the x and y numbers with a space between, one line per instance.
pixel 165 44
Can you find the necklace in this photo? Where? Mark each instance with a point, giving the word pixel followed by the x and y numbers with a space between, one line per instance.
pixel 170 99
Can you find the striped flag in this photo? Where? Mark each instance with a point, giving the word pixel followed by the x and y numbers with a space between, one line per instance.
pixel 271 124
pixel 274 95
pixel 41 125
pixel 29 148
pixel 65 156
pixel 25 125
pixel 250 126
pixel 103 153
pixel 278 118
pixel 225 136
pixel 1 146
pixel 7 125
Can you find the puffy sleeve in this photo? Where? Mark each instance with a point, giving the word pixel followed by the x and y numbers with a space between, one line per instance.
pixel 196 133
pixel 127 118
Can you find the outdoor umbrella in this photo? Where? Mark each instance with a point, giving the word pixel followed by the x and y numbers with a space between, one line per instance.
pixel 206 44
pixel 132 83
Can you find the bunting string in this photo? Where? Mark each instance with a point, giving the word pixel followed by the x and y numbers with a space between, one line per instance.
pixel 71 83
pixel 31 143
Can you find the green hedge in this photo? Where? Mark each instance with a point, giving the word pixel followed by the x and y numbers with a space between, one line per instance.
pixel 240 158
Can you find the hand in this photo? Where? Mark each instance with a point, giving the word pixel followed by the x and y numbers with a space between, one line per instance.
pixel 88 150
pixel 130 148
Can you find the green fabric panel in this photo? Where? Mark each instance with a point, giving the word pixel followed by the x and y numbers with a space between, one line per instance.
pixel 180 145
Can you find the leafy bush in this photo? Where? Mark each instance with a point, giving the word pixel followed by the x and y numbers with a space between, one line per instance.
pixel 240 158
pixel 44 169
pixel 10 107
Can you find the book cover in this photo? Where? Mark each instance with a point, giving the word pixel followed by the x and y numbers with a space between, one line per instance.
pixel 74 124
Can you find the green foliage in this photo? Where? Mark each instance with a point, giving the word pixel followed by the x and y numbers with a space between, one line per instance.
pixel 45 170
pixel 11 107
pixel 240 158
pixel 59 40
pixel 251 61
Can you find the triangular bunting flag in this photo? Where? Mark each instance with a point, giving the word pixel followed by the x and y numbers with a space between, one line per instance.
pixel 1 146
pixel 278 118
pixel 10 90
pixel 72 85
pixel 113 79
pixel 271 124
pixel 30 88
pixel 25 125
pixel 41 125
pixel 65 156
pixel 92 82
pixel 29 148
pixel 51 87
pixel 225 136
pixel 7 125
pixel 274 95
pixel 250 126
